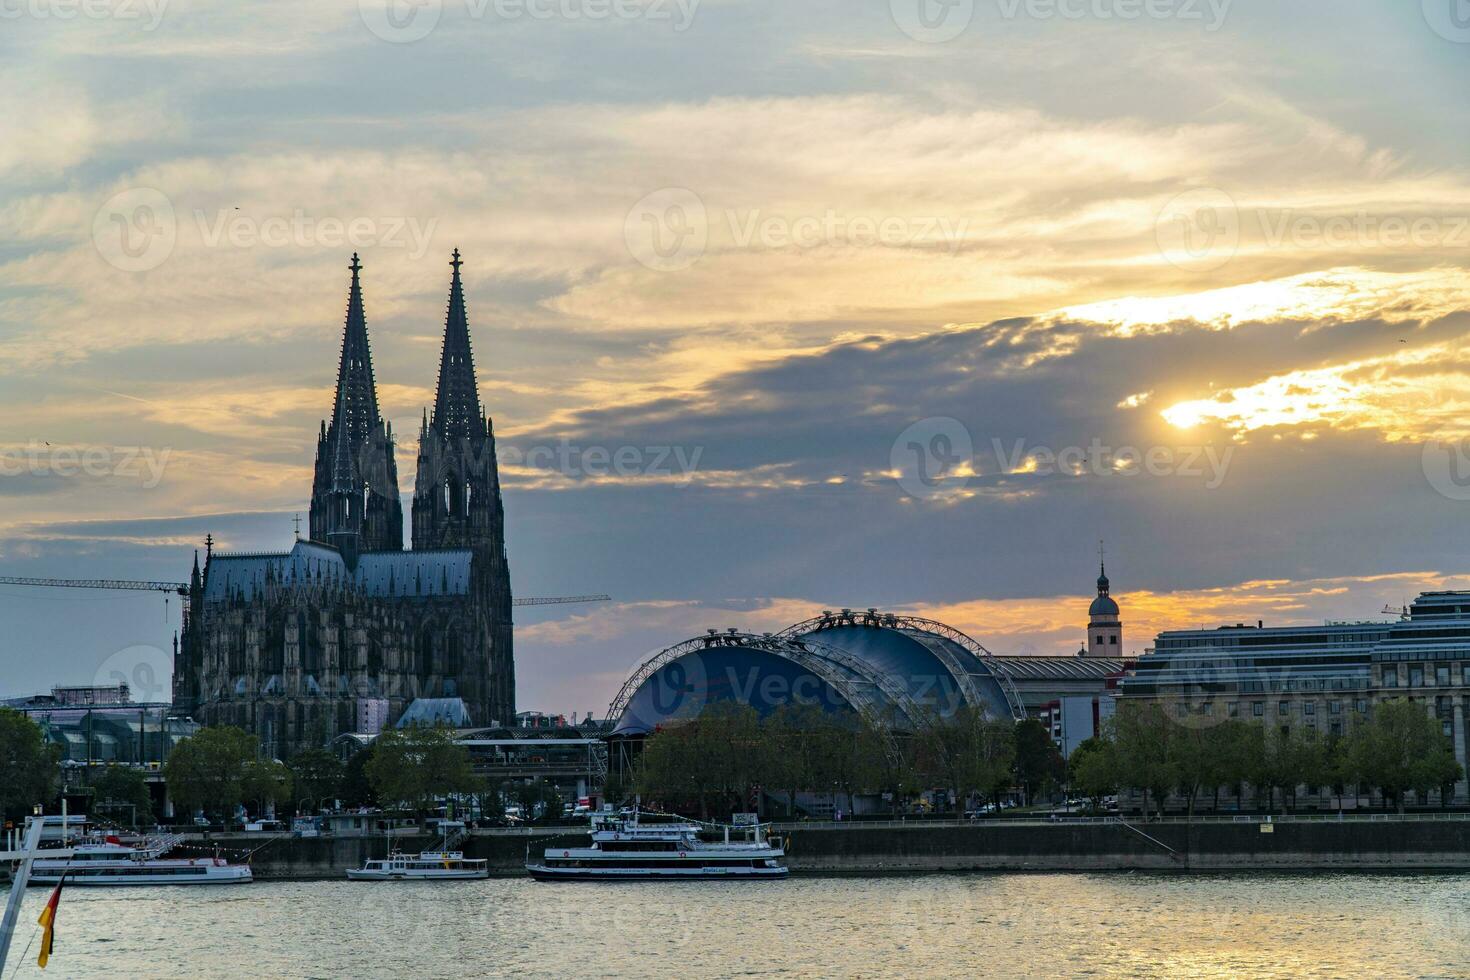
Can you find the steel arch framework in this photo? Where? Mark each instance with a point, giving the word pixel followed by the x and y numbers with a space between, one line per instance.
pixel 962 677
pixel 856 683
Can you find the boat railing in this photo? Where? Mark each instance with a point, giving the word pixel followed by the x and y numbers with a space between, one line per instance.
pixel 676 820
pixel 159 845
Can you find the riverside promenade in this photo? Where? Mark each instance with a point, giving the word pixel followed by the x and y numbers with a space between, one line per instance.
pixel 1303 842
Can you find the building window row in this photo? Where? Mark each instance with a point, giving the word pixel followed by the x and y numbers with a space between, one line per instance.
pixel 1309 708
pixel 1415 675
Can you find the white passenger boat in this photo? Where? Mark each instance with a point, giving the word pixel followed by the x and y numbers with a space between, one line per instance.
pixel 108 861
pixel 637 846
pixel 425 866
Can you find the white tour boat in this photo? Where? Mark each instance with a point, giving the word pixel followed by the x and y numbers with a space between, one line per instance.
pixel 637 846
pixel 108 861
pixel 425 866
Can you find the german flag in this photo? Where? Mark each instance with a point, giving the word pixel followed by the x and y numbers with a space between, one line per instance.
pixel 48 925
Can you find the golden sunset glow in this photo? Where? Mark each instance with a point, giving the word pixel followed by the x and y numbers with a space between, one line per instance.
pixel 1204 247
pixel 1415 394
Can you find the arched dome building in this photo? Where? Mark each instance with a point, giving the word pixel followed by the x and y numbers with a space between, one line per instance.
pixel 896 671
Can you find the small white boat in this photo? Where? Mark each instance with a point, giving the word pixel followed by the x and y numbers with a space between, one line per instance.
pixel 636 846
pixel 425 866
pixel 108 861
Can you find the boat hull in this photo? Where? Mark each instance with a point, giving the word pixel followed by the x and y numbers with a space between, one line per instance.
pixel 77 879
pixel 358 874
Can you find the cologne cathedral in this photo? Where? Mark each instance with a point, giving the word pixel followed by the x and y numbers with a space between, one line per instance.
pixel 347 630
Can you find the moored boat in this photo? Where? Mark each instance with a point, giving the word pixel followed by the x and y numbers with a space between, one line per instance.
pixel 425 866
pixel 637 846
pixel 109 861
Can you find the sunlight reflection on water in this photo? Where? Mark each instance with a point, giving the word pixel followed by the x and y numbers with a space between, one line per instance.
pixel 1102 926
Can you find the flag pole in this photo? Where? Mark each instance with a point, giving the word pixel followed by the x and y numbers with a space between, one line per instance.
pixel 18 884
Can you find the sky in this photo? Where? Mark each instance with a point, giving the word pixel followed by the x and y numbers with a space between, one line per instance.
pixel 777 306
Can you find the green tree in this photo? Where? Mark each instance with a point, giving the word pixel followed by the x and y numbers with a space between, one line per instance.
pixel 617 788
pixel 492 799
pixel 204 770
pixel 265 783
pixel 1199 758
pixel 317 775
pixel 1093 769
pixel 28 766
pixel 732 751
pixel 539 795
pixel 1335 771
pixel 415 765
pixel 1237 745
pixel 888 762
pixel 1142 731
pixel 552 806
pixel 841 751
pixel 356 788
pixel 1039 763
pixel 1313 760
pixel 969 752
pixel 448 769
pixel 1277 766
pixel 1402 748
pixel 122 793
pixel 668 768
pixel 792 750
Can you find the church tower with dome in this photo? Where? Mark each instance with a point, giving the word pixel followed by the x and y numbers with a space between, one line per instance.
pixel 1104 628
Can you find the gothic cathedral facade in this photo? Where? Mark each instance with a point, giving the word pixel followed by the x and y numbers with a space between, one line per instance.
pixel 347 630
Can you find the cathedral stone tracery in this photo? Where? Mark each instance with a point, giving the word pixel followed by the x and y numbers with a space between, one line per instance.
pixel 298 647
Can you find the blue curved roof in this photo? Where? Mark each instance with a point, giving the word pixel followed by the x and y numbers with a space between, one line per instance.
pixel 894 671
pixel 680 690
pixel 912 656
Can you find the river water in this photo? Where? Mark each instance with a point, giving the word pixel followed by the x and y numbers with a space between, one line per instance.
pixel 1043 925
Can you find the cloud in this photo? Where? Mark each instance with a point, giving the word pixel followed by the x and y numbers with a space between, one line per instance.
pixel 888 232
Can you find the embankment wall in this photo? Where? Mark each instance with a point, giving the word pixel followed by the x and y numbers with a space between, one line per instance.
pixel 856 849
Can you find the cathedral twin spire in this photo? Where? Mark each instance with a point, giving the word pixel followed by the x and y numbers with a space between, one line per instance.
pixel 456 499
pixel 355 501
pixel 457 403
pixel 356 412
